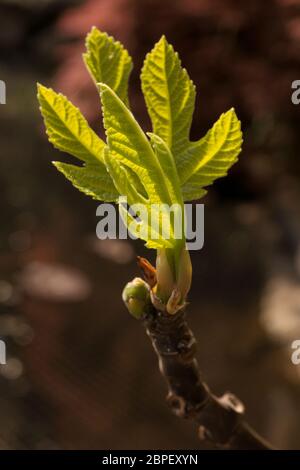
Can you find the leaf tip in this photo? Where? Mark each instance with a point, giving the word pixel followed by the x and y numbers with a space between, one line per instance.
pixel 93 31
pixel 163 41
pixel 40 88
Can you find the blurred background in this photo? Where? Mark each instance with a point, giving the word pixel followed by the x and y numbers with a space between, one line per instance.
pixel 80 371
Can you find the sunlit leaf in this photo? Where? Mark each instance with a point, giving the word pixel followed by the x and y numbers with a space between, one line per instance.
pixel 69 132
pixel 89 180
pixel 169 95
pixel 211 157
pixel 108 62
pixel 128 146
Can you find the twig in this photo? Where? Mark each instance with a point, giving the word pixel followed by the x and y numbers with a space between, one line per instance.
pixel 220 419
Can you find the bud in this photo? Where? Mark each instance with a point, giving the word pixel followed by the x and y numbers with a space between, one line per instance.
pixel 175 302
pixel 165 275
pixel 183 284
pixel 184 277
pixel 172 290
pixel 136 296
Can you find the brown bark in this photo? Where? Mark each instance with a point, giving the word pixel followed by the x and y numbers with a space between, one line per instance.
pixel 220 419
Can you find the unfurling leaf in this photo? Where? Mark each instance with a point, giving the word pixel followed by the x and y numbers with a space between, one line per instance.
pixel 108 62
pixel 128 147
pixel 169 95
pixel 170 99
pixel 69 132
pixel 211 157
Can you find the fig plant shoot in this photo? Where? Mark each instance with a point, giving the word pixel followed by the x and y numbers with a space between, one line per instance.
pixel 155 171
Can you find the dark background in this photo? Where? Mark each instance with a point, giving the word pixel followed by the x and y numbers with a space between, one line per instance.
pixel 81 372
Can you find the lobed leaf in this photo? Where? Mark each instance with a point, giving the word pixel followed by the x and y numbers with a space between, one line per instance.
pixel 108 62
pixel 211 157
pixel 170 96
pixel 69 132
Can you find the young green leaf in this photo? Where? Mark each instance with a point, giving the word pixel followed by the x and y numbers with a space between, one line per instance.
pixel 108 62
pixel 167 163
pixel 125 181
pixel 169 95
pixel 144 228
pixel 89 180
pixel 129 147
pixel 69 132
pixel 67 129
pixel 211 157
